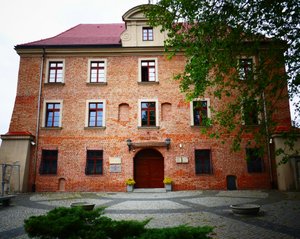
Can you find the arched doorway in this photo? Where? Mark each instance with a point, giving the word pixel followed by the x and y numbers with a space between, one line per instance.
pixel 149 169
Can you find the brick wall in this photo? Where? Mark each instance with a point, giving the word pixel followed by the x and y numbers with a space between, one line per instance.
pixel 74 139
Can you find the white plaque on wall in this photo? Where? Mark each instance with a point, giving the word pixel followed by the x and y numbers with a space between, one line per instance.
pixel 114 160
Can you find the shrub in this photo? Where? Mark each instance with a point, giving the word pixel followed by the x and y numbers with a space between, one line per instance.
pixel 76 223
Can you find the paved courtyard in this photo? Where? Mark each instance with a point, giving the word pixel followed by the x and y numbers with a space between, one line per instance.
pixel 279 216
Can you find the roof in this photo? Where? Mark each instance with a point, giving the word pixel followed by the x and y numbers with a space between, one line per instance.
pixel 83 35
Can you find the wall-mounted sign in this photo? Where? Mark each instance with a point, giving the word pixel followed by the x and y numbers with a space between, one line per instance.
pixel 115 168
pixel 114 160
pixel 182 159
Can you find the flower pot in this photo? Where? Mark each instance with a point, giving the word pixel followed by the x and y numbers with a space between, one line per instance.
pixel 168 187
pixel 129 188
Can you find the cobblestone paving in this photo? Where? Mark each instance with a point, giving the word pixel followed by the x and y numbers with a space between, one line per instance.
pixel 279 216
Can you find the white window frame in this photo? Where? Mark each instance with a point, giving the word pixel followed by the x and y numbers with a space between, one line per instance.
pixel 45 110
pixel 140 101
pixel 140 69
pixel 87 112
pixel 192 109
pixel 89 70
pixel 247 57
pixel 47 71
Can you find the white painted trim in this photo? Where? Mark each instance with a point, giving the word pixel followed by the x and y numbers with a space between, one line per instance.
pixel 89 69
pixel 87 111
pixel 47 70
pixel 140 68
pixel 140 101
pixel 60 112
pixel 192 109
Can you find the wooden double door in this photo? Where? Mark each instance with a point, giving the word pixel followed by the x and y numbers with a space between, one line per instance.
pixel 149 169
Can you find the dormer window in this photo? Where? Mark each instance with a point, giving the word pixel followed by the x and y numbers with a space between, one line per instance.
pixel 147 33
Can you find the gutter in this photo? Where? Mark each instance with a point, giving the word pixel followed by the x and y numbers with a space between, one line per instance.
pixel 37 131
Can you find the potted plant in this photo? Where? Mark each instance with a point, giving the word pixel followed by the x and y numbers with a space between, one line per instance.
pixel 168 183
pixel 130 183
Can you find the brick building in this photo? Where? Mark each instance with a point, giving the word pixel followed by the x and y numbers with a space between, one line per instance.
pixel 97 104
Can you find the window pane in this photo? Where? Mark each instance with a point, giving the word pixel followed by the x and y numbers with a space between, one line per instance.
pixel 202 161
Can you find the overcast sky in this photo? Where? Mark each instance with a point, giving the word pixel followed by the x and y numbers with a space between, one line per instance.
pixel 25 21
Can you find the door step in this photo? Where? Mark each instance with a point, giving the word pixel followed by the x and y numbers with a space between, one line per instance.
pixel 149 190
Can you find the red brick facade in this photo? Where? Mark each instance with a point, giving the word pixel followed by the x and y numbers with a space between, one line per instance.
pixel 121 94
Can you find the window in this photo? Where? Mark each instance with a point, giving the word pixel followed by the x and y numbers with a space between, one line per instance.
pixel 148 113
pixel 52 115
pixel 203 161
pixel 200 112
pixel 96 114
pixel 246 68
pixel 148 70
pixel 49 162
pixel 254 160
pixel 147 34
pixel 250 112
pixel 55 71
pixel 94 162
pixel 97 71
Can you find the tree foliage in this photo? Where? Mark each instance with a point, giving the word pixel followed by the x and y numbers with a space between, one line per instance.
pixel 215 35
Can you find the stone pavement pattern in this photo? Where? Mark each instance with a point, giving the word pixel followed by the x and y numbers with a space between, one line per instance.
pixel 279 216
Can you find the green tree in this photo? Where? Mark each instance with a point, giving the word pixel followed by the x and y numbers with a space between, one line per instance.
pixel 244 53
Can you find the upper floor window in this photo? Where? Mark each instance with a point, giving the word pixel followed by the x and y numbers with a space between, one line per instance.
pixel 254 160
pixel 203 163
pixel 250 112
pixel 52 117
pixel 95 116
pixel 147 34
pixel 49 162
pixel 94 162
pixel 148 70
pixel 246 68
pixel 55 71
pixel 200 112
pixel 148 113
pixel 97 71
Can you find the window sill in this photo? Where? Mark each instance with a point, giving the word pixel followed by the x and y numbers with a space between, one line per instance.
pixel 148 82
pixel 200 126
pixel 94 175
pixel 54 83
pixel 96 83
pixel 204 174
pixel 95 128
pixel 148 127
pixel 48 174
pixel 52 128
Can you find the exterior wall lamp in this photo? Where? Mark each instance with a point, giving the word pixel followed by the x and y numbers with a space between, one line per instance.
pixel 168 142
pixel 129 144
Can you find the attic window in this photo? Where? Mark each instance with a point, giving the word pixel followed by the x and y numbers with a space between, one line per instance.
pixel 147 33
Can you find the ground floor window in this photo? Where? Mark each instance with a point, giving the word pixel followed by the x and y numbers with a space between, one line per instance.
pixel 254 160
pixel 203 163
pixel 49 162
pixel 94 162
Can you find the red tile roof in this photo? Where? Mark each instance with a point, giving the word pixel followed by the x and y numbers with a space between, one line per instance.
pixel 83 35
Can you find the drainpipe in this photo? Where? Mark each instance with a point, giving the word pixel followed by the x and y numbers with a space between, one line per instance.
pixel 37 131
pixel 268 139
